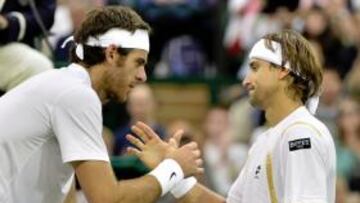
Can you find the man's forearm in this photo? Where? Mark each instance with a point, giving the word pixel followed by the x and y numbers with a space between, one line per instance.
pixel 144 189
pixel 100 185
pixel 201 194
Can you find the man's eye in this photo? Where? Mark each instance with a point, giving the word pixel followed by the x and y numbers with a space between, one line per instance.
pixel 139 62
pixel 253 68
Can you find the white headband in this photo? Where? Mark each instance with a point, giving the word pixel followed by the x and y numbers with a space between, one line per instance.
pixel 115 36
pixel 260 51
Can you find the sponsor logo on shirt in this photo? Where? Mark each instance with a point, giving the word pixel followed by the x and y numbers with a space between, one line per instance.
pixel 257 172
pixel 299 144
pixel 173 175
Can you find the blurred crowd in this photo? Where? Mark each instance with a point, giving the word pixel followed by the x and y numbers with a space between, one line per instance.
pixel 211 38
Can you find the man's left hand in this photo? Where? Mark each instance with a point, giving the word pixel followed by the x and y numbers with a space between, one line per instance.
pixel 155 148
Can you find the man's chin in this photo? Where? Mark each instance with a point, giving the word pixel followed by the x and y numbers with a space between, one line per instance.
pixel 117 98
pixel 121 99
pixel 253 102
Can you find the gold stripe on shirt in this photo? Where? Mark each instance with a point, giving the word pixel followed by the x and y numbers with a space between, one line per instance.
pixel 305 124
pixel 270 179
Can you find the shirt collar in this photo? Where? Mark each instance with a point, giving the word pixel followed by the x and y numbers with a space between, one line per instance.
pixel 297 113
pixel 81 72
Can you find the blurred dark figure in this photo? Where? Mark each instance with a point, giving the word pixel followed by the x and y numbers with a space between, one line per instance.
pixel 21 22
pixel 337 52
pixel 141 106
pixel 173 18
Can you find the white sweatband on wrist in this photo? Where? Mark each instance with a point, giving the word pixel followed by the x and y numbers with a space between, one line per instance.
pixel 183 187
pixel 168 173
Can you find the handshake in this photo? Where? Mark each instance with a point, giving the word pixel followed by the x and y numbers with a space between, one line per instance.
pixel 172 165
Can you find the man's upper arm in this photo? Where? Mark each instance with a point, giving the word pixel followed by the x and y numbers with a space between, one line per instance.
pixel 77 125
pixel 97 180
pixel 303 165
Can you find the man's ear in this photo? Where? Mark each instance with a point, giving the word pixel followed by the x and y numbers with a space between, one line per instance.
pixel 111 54
pixel 283 73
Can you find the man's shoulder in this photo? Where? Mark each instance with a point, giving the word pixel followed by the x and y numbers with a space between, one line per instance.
pixel 77 96
pixel 305 121
pixel 307 130
pixel 65 84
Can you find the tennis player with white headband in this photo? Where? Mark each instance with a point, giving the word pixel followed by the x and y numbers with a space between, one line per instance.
pixel 52 123
pixel 294 160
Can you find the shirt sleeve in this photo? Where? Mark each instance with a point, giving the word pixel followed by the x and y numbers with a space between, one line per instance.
pixel 303 165
pixel 77 124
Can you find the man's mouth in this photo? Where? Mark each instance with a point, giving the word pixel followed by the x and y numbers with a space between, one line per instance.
pixel 250 89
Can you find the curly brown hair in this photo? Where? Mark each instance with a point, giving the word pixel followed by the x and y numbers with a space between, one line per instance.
pixel 306 72
pixel 100 20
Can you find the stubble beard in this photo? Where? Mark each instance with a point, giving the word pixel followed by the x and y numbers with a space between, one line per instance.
pixel 254 101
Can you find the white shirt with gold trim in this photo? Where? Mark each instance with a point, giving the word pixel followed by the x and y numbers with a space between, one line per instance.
pixel 292 162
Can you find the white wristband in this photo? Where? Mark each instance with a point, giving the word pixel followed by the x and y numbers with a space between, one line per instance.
pixel 167 173
pixel 183 186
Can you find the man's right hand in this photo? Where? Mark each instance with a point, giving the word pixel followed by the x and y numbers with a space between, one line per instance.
pixel 152 150
pixel 188 157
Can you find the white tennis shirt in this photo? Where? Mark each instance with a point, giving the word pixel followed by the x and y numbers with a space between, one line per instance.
pixel 292 162
pixel 46 122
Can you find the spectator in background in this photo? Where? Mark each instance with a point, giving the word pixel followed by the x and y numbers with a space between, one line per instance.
pixel 19 26
pixel 69 16
pixel 18 21
pixel 348 144
pixel 321 25
pixel 329 100
pixel 182 56
pixel 352 82
pixel 245 25
pixel 223 157
pixel 141 106
pixel 173 18
pixel 190 132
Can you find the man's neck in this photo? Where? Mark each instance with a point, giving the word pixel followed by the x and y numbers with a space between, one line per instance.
pixel 97 82
pixel 280 109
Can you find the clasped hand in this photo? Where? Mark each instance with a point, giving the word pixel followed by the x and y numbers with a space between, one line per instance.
pixel 152 150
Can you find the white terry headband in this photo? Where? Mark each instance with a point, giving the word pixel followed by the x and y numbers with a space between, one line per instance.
pixel 260 51
pixel 115 36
